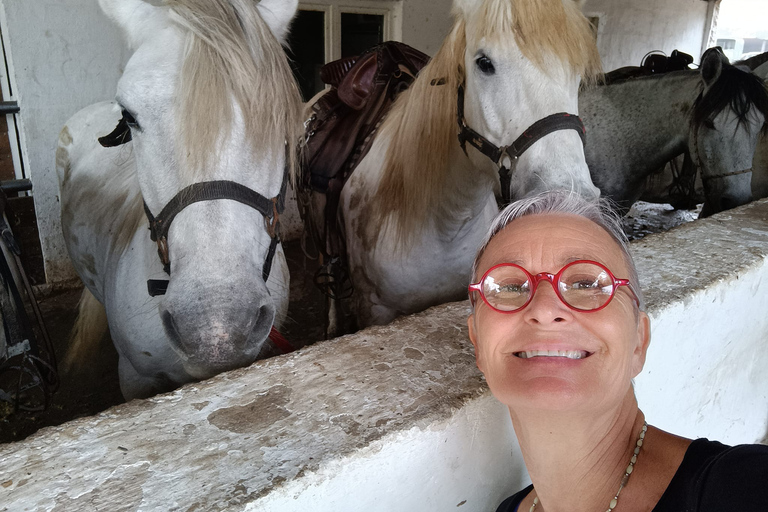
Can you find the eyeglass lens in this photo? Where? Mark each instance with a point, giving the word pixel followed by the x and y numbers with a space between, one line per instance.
pixel 584 286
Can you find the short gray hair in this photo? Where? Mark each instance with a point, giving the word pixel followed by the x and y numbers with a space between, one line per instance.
pixel 601 212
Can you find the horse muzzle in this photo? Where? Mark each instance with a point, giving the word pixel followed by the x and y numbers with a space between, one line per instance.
pixel 222 337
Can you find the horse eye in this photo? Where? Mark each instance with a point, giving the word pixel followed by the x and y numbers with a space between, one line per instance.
pixel 129 119
pixel 485 65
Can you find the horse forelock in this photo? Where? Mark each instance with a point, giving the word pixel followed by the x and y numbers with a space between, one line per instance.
pixel 232 58
pixel 541 29
pixel 735 89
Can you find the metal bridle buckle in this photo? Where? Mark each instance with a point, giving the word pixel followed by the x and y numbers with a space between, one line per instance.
pixel 162 250
pixel 272 222
pixel 507 161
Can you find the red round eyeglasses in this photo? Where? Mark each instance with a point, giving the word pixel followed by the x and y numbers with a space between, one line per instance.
pixel 582 285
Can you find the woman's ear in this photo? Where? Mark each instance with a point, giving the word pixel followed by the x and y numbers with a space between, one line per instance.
pixel 643 341
pixel 473 339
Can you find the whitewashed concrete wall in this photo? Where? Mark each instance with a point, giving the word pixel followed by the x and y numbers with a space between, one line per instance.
pixel 397 418
pixel 629 29
pixel 66 55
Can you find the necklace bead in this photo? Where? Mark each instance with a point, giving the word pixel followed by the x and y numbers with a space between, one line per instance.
pixel 624 479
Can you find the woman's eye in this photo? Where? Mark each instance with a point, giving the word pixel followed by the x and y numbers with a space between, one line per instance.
pixel 585 284
pixel 512 288
pixel 485 65
pixel 129 119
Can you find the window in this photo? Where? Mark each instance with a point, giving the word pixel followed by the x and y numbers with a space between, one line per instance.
pixel 726 44
pixel 307 51
pixel 360 32
pixel 324 32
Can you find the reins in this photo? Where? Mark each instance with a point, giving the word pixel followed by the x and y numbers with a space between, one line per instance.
pixel 506 157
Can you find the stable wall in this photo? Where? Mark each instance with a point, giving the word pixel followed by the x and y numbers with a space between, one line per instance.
pixel 65 55
pixel 398 418
pixel 629 29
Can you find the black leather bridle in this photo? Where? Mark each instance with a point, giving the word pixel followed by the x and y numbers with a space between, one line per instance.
pixel 506 156
pixel 205 191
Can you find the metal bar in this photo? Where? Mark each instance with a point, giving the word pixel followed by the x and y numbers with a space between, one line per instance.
pixel 11 186
pixel 9 107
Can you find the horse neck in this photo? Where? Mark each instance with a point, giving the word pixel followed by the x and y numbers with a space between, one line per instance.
pixel 660 127
pixel 467 189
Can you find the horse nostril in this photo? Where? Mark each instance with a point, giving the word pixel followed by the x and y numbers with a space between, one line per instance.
pixel 171 330
pixel 265 317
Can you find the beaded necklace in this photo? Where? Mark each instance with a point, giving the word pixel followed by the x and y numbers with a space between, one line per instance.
pixel 624 479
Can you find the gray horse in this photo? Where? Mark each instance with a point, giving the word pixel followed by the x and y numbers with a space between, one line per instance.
pixel 759 66
pixel 715 114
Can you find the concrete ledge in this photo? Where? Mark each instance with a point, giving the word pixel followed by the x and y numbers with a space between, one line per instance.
pixel 398 417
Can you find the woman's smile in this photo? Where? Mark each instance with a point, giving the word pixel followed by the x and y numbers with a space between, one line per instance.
pixel 560 354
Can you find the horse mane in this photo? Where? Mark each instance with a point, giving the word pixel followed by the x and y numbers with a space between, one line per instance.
pixel 421 124
pixel 753 62
pixel 231 53
pixel 735 89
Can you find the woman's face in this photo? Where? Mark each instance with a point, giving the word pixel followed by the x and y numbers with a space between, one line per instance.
pixel 611 343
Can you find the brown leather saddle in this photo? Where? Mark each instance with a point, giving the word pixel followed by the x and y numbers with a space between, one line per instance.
pixel 654 63
pixel 338 135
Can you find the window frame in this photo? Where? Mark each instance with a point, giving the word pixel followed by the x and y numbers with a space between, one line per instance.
pixel 392 11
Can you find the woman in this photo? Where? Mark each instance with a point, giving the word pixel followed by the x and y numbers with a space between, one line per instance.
pixel 563 362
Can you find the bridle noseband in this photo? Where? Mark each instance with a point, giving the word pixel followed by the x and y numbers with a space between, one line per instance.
pixel 506 156
pixel 206 191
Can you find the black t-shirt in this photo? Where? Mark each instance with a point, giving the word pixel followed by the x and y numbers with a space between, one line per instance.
pixel 713 477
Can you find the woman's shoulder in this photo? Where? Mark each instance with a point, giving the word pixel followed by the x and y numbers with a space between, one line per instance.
pixel 510 504
pixel 743 467
pixel 715 476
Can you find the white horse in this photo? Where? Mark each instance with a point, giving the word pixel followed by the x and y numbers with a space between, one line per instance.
pixel 417 206
pixel 207 98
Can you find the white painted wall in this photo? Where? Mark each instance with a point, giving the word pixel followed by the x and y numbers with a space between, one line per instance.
pixel 66 55
pixel 707 368
pixel 630 28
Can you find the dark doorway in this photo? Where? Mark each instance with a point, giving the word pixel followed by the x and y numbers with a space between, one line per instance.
pixel 360 32
pixel 306 45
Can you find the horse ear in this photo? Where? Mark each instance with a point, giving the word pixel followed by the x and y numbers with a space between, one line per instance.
pixel 278 15
pixel 712 63
pixel 137 18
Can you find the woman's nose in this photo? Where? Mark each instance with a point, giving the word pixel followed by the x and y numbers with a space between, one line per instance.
pixel 545 306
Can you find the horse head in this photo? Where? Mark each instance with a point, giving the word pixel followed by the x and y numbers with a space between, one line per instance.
pixel 208 98
pixel 522 62
pixel 726 122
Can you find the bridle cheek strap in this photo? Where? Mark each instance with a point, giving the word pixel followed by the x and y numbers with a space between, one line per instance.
pixel 506 157
pixel 210 191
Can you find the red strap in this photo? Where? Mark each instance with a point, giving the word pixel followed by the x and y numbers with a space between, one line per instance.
pixel 280 341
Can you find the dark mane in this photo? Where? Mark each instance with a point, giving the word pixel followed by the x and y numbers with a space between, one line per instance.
pixel 753 62
pixel 735 89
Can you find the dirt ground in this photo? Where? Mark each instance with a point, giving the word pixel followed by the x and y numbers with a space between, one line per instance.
pixel 94 389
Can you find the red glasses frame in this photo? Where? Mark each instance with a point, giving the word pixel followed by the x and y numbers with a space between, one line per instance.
pixel 553 279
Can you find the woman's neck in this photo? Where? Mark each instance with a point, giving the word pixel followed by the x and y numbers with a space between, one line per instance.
pixel 577 461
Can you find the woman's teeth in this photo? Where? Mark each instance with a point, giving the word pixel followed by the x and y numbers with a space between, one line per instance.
pixel 570 354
